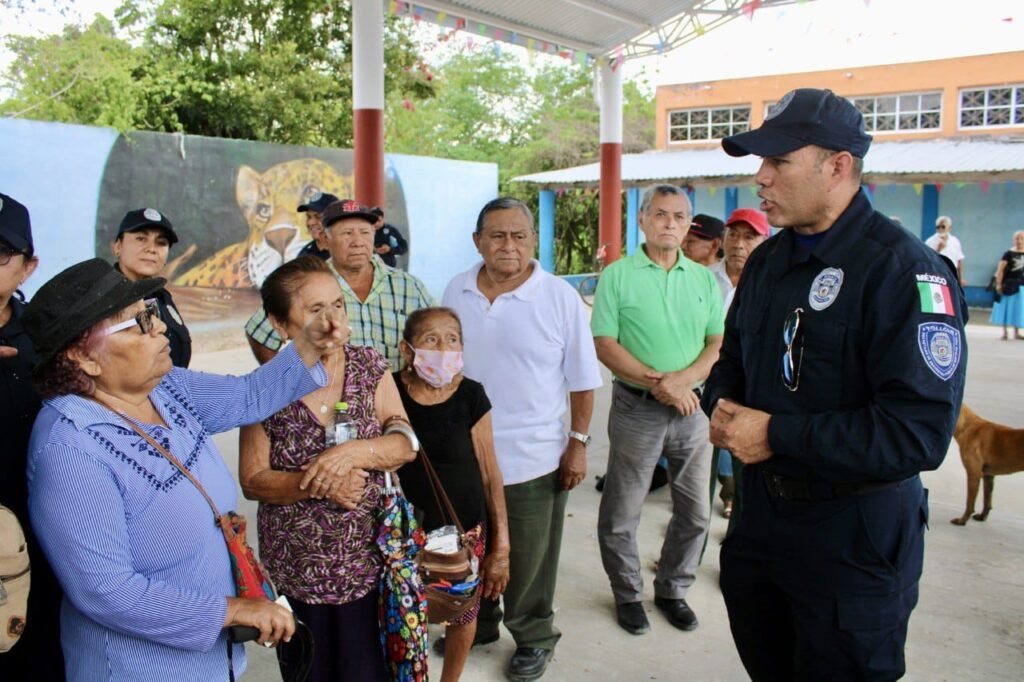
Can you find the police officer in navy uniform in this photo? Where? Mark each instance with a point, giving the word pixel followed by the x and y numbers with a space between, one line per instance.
pixel 388 242
pixel 840 379
pixel 143 241
pixel 38 653
pixel 314 210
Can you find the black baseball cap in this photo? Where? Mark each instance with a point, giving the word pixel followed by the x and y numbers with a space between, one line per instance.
pixel 142 218
pixel 15 225
pixel 804 116
pixel 78 298
pixel 318 202
pixel 377 211
pixel 340 210
pixel 707 227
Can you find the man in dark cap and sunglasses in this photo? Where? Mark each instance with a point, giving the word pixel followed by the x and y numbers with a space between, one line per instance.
pixel 840 379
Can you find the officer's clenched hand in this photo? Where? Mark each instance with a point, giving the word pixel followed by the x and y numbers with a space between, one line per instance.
pixel 741 430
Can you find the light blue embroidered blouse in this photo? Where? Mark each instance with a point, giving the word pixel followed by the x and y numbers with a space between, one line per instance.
pixel 145 571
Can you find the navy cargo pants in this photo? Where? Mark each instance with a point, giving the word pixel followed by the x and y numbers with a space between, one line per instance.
pixel 823 590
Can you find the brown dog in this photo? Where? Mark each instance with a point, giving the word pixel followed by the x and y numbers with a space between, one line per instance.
pixel 987 450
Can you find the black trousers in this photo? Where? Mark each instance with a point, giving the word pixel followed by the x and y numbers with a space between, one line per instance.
pixel 820 590
pixel 346 641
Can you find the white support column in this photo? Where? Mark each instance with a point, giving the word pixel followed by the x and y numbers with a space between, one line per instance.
pixel 610 230
pixel 368 100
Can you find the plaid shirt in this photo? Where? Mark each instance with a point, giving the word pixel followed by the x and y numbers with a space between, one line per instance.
pixel 376 322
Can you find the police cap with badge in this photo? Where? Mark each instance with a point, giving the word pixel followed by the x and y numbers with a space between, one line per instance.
pixel 144 218
pixel 803 117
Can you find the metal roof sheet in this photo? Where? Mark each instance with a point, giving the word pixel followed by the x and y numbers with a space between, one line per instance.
pixel 627 28
pixel 968 159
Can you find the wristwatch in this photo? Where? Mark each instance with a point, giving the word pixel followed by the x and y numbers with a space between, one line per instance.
pixel 581 437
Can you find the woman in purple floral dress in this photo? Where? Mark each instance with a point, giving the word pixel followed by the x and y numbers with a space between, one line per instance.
pixel 318 524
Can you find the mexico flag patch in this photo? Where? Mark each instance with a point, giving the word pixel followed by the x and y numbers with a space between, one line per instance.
pixel 934 293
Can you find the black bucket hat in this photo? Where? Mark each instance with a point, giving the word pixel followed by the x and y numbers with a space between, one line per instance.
pixel 78 298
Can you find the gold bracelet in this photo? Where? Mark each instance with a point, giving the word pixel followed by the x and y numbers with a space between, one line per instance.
pixel 371 457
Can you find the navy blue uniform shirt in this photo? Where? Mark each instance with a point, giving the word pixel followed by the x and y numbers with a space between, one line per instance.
pixel 390 235
pixel 884 355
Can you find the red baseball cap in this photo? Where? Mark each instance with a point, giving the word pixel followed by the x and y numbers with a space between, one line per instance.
pixel 752 217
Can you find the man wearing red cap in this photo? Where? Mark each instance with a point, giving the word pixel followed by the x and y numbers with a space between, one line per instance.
pixel 744 231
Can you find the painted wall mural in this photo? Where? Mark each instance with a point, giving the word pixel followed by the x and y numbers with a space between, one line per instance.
pixel 232 203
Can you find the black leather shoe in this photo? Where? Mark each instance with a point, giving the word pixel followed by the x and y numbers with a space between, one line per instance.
pixel 632 618
pixel 477 641
pixel 678 612
pixel 528 664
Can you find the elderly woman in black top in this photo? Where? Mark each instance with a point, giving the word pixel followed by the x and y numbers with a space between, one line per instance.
pixel 452 417
pixel 143 241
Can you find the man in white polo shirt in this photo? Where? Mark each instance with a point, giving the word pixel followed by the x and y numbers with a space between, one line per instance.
pixel 527 340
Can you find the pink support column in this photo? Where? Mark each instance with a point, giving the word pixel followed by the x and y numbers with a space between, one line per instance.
pixel 368 100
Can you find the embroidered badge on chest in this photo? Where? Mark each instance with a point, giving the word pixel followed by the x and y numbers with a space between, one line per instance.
pixel 825 288
pixel 940 347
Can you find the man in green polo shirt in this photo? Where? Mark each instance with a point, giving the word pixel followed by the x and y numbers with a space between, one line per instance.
pixel 657 325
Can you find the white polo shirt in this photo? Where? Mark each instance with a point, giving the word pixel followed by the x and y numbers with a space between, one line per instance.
pixel 529 350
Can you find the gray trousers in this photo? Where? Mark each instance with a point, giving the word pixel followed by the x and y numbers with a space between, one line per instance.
pixel 640 431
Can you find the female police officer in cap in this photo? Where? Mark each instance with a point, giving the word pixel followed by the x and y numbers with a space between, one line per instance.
pixel 143 241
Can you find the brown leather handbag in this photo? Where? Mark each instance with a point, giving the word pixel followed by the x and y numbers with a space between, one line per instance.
pixel 444 575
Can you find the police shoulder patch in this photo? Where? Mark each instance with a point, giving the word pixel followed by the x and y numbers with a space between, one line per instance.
pixel 940 347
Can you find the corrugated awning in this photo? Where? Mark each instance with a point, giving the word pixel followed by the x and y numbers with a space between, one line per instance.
pixel 969 159
pixel 582 30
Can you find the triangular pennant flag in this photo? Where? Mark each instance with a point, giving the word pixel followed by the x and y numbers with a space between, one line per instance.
pixel 460 23
pixel 481 29
pixel 441 16
pixel 753 190
pixel 983 185
pixel 961 185
pixel 712 191
pixel 872 187
pixel 918 187
pixel 749 8
pixel 938 187
pixel 497 48
pixel 392 7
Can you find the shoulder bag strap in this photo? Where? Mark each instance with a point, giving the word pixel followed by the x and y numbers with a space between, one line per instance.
pixel 440 496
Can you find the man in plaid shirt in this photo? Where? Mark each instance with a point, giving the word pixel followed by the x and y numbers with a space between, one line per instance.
pixel 377 298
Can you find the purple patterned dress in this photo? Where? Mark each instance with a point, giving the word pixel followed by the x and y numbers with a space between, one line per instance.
pixel 316 552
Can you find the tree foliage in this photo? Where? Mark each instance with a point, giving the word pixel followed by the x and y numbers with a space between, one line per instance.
pixel 270 70
pixel 280 71
pixel 490 108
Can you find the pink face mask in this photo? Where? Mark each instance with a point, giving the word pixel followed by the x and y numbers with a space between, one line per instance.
pixel 437 367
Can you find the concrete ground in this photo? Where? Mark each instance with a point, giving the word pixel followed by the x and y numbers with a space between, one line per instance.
pixel 969 624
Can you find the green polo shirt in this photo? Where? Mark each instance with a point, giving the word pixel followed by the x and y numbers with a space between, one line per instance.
pixel 661 317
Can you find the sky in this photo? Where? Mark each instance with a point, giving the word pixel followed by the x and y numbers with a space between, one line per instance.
pixel 814 35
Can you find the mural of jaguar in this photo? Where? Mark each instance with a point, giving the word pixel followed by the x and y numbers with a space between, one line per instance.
pixel 277 232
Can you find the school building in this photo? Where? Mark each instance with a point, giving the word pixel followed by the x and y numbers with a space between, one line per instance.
pixel 948 140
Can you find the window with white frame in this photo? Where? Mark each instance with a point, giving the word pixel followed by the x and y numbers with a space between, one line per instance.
pixel 993 107
pixel 714 123
pixel 905 112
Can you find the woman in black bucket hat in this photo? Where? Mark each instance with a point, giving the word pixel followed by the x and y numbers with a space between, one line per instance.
pixel 147 578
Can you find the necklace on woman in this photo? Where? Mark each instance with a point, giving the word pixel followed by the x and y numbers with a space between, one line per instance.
pixel 323 403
